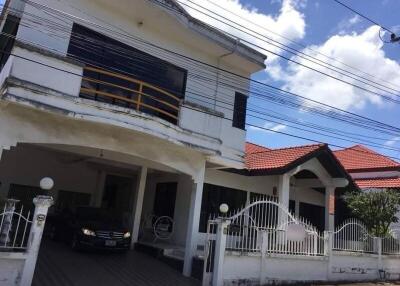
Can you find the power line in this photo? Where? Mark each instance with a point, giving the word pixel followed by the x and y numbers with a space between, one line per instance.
pixel 124 34
pixel 362 15
pixel 393 37
pixel 223 117
pixel 249 43
pixel 122 71
pixel 289 49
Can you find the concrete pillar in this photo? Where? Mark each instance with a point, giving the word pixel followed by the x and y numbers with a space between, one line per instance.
pixel 141 185
pixel 284 189
pixel 297 207
pixel 42 204
pixel 283 193
pixel 193 222
pixel 329 208
pixel 220 244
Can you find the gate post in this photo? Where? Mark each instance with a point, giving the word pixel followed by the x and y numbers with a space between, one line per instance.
pixel 42 204
pixel 220 244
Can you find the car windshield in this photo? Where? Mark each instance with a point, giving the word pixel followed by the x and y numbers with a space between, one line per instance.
pixel 96 214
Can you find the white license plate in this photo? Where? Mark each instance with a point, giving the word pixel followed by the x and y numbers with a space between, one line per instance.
pixel 110 243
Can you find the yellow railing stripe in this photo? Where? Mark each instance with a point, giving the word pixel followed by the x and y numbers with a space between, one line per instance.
pixel 88 90
pixel 121 76
pixel 131 90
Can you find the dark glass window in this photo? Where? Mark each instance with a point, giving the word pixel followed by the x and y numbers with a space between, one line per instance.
pixel 292 206
pixel 7 40
pixel 99 51
pixel 214 196
pixel 164 201
pixel 315 214
pixel 239 111
pixel 264 213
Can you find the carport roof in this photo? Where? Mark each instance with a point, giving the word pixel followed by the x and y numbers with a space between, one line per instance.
pixel 261 160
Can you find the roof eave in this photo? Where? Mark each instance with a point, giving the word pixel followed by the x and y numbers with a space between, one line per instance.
pixel 212 33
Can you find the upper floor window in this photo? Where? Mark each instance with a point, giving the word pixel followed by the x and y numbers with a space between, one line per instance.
pixel 7 39
pixel 119 74
pixel 239 111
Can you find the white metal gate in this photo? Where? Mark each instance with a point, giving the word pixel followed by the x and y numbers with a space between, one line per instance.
pixel 261 227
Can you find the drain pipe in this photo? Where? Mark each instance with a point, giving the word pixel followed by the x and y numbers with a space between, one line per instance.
pixel 218 70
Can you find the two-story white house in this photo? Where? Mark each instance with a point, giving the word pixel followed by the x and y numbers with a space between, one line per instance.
pixel 106 97
pixel 131 106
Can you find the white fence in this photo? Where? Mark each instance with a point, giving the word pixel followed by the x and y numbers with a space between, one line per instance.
pixel 20 237
pixel 353 236
pixel 263 225
pixel 14 228
pixel 266 228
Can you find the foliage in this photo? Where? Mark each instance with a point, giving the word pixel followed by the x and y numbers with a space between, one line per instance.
pixel 376 208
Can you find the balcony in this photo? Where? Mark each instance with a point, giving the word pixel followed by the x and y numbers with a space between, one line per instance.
pixel 126 91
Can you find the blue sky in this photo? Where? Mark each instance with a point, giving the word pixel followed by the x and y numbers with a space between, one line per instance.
pixel 330 28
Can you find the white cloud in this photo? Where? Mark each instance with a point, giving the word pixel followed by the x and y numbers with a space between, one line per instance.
pixel 289 22
pixel 269 127
pixel 392 141
pixel 363 51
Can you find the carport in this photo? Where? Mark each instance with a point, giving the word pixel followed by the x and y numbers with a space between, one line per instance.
pixel 135 187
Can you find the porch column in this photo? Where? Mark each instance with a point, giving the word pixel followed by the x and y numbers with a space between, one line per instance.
pixel 283 189
pixel 141 185
pixel 193 222
pixel 283 192
pixel 329 208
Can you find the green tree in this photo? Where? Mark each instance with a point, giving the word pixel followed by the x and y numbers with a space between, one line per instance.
pixel 376 208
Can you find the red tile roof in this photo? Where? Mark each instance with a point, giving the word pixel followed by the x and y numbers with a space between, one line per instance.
pixel 360 158
pixel 261 158
pixel 378 183
pixel 254 148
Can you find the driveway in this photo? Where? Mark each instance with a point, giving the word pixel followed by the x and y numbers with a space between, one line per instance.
pixel 58 265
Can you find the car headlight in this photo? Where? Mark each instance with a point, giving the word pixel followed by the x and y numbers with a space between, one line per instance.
pixel 88 232
pixel 127 234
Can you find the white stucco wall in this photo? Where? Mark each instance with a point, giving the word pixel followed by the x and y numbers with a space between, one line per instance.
pixel 159 28
pixel 27 165
pixel 280 269
pixel 11 266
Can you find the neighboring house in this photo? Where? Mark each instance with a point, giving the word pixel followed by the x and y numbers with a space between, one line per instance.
pixel 369 169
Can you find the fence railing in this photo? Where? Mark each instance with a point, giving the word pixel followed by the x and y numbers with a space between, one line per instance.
pixel 353 236
pixel 263 225
pixel 14 227
pixel 391 246
pixel 126 91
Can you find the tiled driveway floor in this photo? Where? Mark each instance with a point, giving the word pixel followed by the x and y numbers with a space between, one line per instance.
pixel 58 265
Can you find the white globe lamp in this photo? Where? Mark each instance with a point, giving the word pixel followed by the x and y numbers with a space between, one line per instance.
pixel 46 183
pixel 224 208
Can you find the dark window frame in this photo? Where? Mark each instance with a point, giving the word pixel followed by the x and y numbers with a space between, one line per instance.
pixel 214 196
pixel 239 111
pixel 10 27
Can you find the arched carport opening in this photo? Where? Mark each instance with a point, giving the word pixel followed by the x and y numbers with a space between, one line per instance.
pixel 123 183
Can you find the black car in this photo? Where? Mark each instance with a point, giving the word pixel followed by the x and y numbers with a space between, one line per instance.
pixel 92 228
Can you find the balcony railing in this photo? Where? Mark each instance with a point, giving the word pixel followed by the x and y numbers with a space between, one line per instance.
pixel 125 91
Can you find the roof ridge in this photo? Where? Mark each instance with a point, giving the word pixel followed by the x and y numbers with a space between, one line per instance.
pixel 298 146
pixel 258 145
